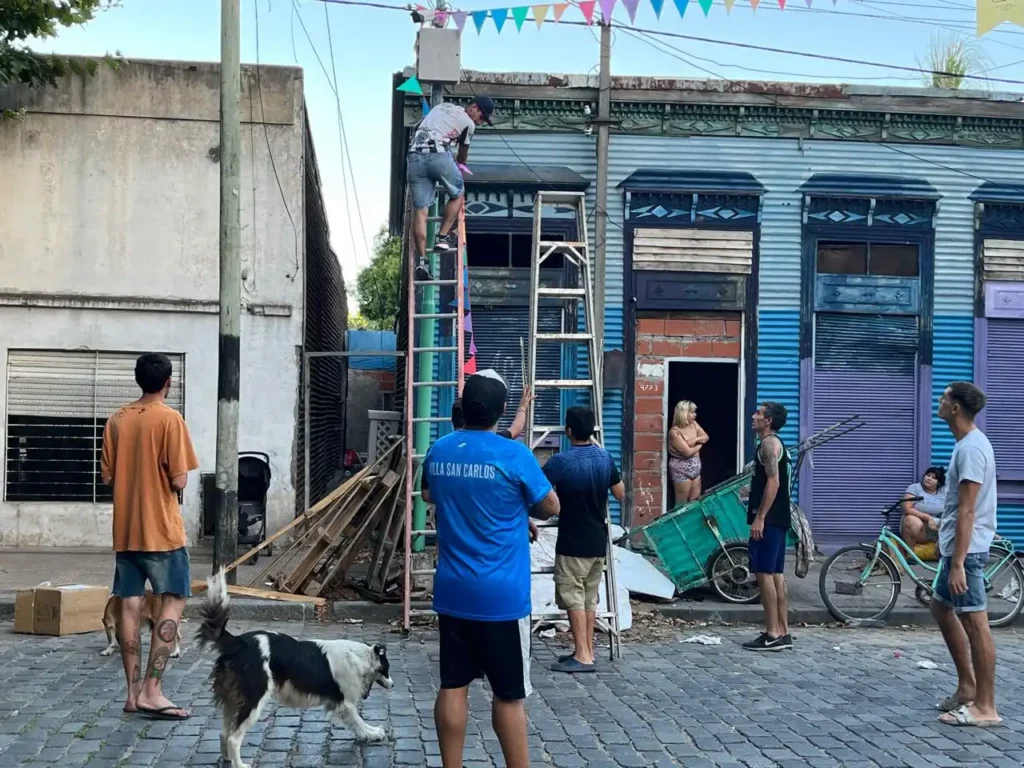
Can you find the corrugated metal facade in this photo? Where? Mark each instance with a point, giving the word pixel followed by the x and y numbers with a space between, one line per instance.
pixel 782 165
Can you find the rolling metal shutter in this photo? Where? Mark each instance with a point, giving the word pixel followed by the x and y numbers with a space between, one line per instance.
pixel 57 406
pixel 1003 260
pixel 497 331
pixel 864 365
pixel 1004 386
pixel 693 250
pixel 79 384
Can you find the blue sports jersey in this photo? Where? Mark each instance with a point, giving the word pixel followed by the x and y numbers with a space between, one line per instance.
pixel 482 487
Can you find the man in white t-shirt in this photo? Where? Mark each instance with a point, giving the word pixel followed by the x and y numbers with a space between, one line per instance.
pixel 430 162
pixel 966 530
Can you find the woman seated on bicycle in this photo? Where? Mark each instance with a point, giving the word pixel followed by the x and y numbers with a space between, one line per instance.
pixel 921 518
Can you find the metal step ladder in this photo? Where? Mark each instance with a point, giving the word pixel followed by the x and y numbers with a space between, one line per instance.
pixel 424 310
pixel 579 297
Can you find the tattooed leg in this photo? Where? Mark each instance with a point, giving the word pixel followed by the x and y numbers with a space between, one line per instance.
pixel 165 636
pixel 131 649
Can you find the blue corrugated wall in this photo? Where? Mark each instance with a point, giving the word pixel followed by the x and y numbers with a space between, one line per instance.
pixel 782 165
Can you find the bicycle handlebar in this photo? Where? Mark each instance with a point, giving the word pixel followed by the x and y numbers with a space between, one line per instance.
pixel 892 507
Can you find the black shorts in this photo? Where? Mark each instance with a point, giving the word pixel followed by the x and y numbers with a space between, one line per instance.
pixel 497 650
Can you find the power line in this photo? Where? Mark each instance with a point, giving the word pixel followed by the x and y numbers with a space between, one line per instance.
pixel 266 137
pixel 346 158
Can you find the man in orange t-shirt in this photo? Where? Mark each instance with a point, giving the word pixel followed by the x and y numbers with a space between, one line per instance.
pixel 147 455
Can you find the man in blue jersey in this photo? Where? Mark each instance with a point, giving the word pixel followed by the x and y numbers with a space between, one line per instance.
pixel 483 488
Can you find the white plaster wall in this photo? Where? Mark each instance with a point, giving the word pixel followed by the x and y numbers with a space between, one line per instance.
pixel 111 191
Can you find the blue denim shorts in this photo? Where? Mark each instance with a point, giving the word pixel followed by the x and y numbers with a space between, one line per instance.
pixel 769 554
pixel 974 599
pixel 168 573
pixel 426 170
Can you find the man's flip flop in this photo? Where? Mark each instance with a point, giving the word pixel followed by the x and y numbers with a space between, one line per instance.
pixel 563 659
pixel 952 702
pixel 962 718
pixel 571 666
pixel 164 713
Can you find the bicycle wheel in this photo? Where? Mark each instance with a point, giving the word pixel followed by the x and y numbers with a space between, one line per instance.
pixel 850 596
pixel 729 575
pixel 1005 589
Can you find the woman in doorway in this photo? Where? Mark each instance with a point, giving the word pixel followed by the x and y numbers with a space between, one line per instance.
pixel 685 438
pixel 921 518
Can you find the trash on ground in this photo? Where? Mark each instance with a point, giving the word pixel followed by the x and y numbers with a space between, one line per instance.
pixel 704 639
pixel 927 664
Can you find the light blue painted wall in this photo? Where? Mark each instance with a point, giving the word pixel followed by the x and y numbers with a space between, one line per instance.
pixel 782 165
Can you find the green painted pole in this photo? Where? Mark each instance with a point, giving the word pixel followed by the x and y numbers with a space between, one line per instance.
pixel 425 372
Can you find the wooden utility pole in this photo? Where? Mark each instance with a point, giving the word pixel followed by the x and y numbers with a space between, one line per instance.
pixel 225 543
pixel 604 115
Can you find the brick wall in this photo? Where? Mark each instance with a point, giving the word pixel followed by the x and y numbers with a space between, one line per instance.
pixel 660 336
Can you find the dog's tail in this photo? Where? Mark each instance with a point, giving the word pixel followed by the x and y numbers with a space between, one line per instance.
pixel 214 614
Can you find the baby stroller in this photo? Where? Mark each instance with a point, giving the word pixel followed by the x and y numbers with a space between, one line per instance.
pixel 253 483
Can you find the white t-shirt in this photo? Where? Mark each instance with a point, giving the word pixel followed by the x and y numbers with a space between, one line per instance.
pixel 931 503
pixel 972 460
pixel 444 126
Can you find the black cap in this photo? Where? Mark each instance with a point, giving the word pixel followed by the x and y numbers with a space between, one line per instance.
pixel 486 106
pixel 483 399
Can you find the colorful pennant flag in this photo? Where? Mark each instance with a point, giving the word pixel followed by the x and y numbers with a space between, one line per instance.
pixel 500 14
pixel 540 12
pixel 729 4
pixel 607 6
pixel 560 9
pixel 657 5
pixel 753 4
pixel 782 5
pixel 460 19
pixel 479 17
pixel 631 9
pixel 681 5
pixel 809 3
pixel 705 5
pixel 587 7
pixel 412 85
pixel 519 16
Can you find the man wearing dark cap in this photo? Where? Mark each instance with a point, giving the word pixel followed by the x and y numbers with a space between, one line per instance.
pixel 430 162
pixel 483 488
pixel 515 429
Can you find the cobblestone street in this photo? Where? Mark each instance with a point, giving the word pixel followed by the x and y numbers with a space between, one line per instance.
pixel 850 698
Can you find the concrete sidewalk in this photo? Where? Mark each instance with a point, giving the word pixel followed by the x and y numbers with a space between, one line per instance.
pixel 23 569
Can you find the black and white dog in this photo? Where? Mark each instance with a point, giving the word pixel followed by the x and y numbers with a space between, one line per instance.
pixel 252 668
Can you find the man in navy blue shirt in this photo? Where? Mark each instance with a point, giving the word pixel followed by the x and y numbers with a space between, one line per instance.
pixel 582 477
pixel 483 488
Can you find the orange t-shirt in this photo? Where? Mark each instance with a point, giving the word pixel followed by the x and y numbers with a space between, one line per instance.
pixel 144 446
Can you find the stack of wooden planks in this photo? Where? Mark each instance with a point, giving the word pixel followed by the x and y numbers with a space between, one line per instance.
pixel 329 537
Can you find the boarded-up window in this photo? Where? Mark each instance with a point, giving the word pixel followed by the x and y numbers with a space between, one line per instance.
pixel 1003 260
pixel 57 406
pixel 694 250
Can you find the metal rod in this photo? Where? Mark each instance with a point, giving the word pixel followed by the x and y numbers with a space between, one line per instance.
pixel 225 548
pixel 604 116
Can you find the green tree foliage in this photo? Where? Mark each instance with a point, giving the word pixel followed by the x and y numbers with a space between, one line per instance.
pixel 378 283
pixel 23 20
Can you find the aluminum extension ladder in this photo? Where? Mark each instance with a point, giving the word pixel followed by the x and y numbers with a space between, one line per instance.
pixel 422 310
pixel 576 254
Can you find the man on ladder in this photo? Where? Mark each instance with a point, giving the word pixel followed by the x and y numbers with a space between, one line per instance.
pixel 430 162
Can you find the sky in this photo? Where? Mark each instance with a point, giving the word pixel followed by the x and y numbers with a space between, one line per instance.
pixel 371 44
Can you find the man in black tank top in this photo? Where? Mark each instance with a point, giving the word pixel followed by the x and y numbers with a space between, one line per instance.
pixel 769 519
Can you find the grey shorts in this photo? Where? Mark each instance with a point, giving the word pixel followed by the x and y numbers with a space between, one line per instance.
pixel 974 600
pixel 425 170
pixel 168 573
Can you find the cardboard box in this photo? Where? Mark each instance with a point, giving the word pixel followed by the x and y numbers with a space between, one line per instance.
pixel 68 610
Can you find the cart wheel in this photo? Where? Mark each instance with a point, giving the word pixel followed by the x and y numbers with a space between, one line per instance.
pixel 923 596
pixel 730 577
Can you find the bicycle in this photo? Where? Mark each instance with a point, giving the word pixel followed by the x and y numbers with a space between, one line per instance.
pixel 881 558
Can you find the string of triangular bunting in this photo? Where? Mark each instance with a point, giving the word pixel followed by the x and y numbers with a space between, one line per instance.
pixel 554 12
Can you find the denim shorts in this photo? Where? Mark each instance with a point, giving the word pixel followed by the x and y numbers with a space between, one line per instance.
pixel 974 599
pixel 426 170
pixel 168 573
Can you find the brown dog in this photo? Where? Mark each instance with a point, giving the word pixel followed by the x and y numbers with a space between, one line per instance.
pixel 150 612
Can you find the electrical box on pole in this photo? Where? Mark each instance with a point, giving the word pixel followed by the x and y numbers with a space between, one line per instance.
pixel 439 55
